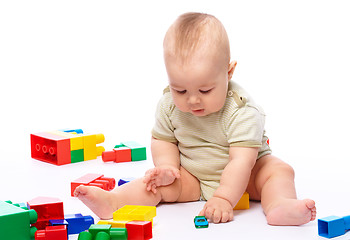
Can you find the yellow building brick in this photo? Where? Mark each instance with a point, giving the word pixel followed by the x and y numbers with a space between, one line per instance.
pixel 243 203
pixel 134 212
pixel 91 151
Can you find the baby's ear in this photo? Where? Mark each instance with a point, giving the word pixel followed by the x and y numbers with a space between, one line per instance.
pixel 231 69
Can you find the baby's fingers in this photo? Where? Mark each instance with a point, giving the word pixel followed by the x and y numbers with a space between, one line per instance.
pixel 176 173
pixel 154 188
pixel 208 212
pixel 148 180
pixel 217 216
pixel 226 217
pixel 201 213
pixel 149 187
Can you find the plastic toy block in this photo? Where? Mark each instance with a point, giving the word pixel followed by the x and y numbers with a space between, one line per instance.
pixel 96 180
pixel 133 212
pixel 96 228
pixel 125 180
pixel 115 224
pixel 58 232
pixel 66 146
pixel 76 140
pixel 15 222
pixel 333 226
pixel 201 222
pixel 104 231
pixel 102 236
pixel 122 154
pixel 50 148
pixel 57 222
pixel 47 208
pixel 119 233
pixel 77 156
pixel 91 151
pixel 84 141
pixel 243 203
pixel 138 152
pixel 85 236
pixel 139 230
pixel 78 223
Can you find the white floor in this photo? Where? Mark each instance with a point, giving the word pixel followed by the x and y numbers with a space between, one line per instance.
pixel 24 178
pixel 98 66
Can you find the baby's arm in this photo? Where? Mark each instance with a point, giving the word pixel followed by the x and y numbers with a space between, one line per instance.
pixel 233 183
pixel 166 158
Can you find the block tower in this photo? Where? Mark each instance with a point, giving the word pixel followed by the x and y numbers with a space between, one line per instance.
pixel 66 146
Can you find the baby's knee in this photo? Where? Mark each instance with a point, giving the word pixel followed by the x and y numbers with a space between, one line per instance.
pixel 171 192
pixel 288 169
pixel 285 169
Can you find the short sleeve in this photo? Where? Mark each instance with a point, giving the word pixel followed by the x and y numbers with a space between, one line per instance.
pixel 163 128
pixel 245 128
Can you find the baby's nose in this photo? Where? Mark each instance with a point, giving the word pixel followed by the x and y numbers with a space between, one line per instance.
pixel 193 100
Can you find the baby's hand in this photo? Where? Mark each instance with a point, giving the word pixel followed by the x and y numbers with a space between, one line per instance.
pixel 217 210
pixel 160 176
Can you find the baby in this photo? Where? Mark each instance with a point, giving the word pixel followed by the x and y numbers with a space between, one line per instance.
pixel 208 141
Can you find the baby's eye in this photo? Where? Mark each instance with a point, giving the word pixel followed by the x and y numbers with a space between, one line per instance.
pixel 205 91
pixel 181 92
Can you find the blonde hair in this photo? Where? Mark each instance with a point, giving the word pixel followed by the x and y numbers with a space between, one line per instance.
pixel 193 31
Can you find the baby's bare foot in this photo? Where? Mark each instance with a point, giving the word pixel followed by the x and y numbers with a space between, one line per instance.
pixel 97 199
pixel 291 212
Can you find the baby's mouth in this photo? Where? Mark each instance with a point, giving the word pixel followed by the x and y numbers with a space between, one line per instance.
pixel 197 110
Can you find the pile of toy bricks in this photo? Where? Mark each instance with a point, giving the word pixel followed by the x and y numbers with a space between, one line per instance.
pixel 41 219
pixel 66 146
pixel 129 223
pixel 125 152
pixel 52 223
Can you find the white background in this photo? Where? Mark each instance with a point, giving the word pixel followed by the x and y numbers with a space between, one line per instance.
pixel 97 65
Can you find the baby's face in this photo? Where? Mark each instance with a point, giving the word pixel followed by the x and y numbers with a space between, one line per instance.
pixel 199 86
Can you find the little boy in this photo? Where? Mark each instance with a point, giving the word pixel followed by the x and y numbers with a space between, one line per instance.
pixel 208 141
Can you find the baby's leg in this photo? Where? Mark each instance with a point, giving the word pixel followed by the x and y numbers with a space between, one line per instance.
pixel 103 203
pixel 272 182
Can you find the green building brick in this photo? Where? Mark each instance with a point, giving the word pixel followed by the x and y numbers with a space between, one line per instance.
pixel 118 233
pixel 15 222
pixel 77 156
pixel 85 236
pixel 102 236
pixel 138 152
pixel 104 232
pixel 96 228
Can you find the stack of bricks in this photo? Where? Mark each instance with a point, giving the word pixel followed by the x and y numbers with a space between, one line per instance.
pixel 125 152
pixel 129 222
pixel 52 223
pixel 66 146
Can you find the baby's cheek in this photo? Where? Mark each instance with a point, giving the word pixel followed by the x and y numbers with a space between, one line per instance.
pixel 181 105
